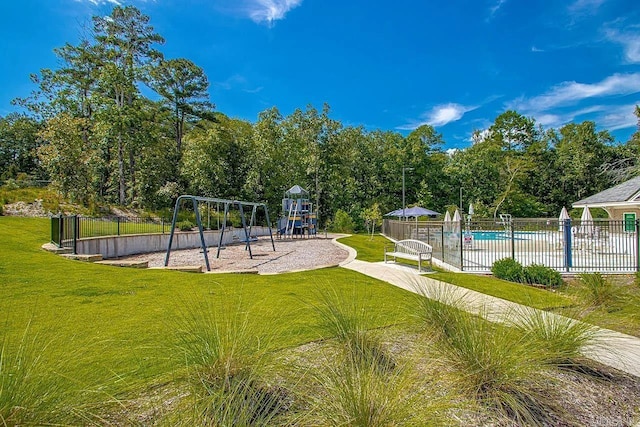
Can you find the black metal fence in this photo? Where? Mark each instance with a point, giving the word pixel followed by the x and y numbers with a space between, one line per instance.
pixel 569 246
pixel 66 230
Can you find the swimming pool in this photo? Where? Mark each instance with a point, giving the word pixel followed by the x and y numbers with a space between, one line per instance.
pixel 501 235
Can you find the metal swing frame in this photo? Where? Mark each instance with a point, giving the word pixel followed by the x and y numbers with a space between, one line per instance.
pixel 195 200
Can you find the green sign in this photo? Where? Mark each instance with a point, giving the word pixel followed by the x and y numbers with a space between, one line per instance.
pixel 629 222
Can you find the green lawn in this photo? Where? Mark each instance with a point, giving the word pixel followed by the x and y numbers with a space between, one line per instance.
pixel 623 315
pixel 113 329
pixel 369 249
pixel 104 340
pixel 516 292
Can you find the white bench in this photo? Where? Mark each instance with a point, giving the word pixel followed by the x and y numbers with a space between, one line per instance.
pixel 409 249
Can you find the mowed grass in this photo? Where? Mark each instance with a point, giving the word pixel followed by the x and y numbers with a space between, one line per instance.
pixel 112 330
pixel 516 292
pixel 369 248
pixel 572 300
pixel 372 250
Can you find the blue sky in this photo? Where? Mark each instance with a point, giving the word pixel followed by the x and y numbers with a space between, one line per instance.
pixel 453 64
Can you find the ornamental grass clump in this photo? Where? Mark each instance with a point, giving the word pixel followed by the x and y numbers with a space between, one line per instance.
pixel 31 392
pixel 494 364
pixel 358 393
pixel 437 307
pixel 600 290
pixel 345 318
pixel 560 341
pixel 489 362
pixel 226 356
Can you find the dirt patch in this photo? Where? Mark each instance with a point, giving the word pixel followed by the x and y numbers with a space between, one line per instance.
pixel 289 255
pixel 34 209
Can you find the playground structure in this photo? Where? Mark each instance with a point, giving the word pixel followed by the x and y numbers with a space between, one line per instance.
pixel 240 205
pixel 297 217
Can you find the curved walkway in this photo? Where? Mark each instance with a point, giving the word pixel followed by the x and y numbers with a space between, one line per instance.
pixel 615 349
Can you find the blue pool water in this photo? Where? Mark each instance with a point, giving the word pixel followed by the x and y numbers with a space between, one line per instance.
pixel 499 235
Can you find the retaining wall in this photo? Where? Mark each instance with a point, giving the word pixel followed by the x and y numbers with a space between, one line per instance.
pixel 119 246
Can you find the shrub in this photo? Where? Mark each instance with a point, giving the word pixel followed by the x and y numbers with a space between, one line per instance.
pixel 342 222
pixel 11 184
pixel 185 225
pixel 508 269
pixel 539 274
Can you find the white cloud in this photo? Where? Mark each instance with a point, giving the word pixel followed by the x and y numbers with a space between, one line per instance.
pixel 479 136
pixel 618 117
pixel 585 5
pixel 569 93
pixel 231 82
pixel 495 8
pixel 447 113
pixel 254 90
pixel 269 11
pixel 630 41
pixel 439 115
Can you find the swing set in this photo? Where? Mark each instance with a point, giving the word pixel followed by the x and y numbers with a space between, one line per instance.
pixel 240 205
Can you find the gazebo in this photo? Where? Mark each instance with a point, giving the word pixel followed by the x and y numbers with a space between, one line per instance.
pixel 413 212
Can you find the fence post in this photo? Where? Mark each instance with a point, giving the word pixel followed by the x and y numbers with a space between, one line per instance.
pixel 55 230
pixel 118 223
pixel 513 242
pixel 61 229
pixel 442 241
pixel 76 229
pixel 567 245
pixel 637 245
pixel 461 246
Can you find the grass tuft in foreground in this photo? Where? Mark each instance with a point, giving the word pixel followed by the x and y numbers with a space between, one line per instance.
pixel 600 290
pixel 560 339
pixel 226 355
pixel 358 393
pixel 491 363
pixel 30 391
pixel 344 317
pixel 495 365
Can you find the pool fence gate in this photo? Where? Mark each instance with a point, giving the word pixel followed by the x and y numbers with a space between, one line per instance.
pixel 570 246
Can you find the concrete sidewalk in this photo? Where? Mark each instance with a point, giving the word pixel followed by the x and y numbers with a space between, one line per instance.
pixel 615 349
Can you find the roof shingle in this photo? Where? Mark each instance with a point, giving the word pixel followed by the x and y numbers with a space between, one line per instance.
pixel 620 193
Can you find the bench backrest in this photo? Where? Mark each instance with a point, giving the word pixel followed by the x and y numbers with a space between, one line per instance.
pixel 411 246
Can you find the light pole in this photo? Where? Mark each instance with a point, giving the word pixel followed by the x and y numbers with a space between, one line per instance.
pixel 403 202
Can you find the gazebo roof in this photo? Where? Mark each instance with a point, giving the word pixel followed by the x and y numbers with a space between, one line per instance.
pixel 627 191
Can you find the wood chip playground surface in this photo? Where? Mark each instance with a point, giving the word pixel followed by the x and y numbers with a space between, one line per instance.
pixel 290 255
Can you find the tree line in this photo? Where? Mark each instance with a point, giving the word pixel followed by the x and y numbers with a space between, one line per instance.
pixel 91 130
